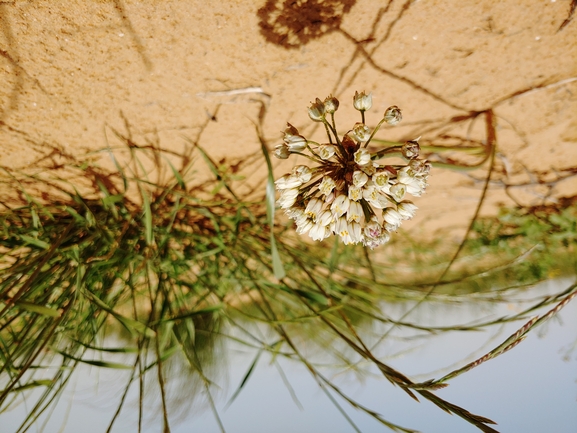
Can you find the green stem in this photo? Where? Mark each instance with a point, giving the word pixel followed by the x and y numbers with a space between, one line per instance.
pixel 374 130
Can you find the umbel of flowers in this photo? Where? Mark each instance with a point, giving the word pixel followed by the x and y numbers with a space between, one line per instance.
pixel 349 191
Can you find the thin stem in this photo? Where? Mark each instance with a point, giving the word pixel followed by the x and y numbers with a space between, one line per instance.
pixel 374 131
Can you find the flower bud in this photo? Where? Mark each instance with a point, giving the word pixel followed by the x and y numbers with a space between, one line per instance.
pixel 331 104
pixel 282 151
pixel 411 149
pixel 363 102
pixel 317 111
pixel 393 115
pixel 420 167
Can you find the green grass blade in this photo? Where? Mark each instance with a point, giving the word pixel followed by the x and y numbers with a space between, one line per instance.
pixel 277 264
pixel 39 309
pixel 36 242
pixel 130 324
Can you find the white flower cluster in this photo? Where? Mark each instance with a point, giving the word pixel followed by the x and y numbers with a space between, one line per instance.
pixel 349 193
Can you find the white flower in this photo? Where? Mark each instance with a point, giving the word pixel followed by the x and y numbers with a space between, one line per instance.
pixel 398 191
pixel 393 217
pixel 350 233
pixel 416 186
pixel 363 102
pixel 319 232
pixel 314 208
pixel 362 157
pixel 346 186
pixel 375 197
pixel 296 143
pixel 327 185
pixel 303 173
pixel 360 132
pixel 359 178
pixel 331 104
pixel 330 198
pixel 304 226
pixel 288 181
pixel 370 169
pixel 298 215
pixel 282 151
pixel 406 175
pixel 374 234
pixel 325 218
pixel 355 212
pixel 406 209
pixel 355 193
pixel 317 111
pixel 393 115
pixel 381 179
pixel 288 197
pixel 373 229
pixel 340 205
pixel 326 151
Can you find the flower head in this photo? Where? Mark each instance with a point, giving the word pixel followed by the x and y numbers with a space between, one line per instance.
pixel 348 193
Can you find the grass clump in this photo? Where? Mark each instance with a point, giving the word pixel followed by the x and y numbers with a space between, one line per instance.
pixel 172 268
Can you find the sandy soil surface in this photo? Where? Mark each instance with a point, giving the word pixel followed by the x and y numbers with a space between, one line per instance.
pixel 76 74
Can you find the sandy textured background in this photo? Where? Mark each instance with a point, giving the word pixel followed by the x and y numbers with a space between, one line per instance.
pixel 173 73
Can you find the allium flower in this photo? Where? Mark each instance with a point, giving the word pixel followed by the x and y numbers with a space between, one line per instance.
pixel 331 104
pixel 288 181
pixel 302 173
pixel 340 205
pixel 362 157
pixel 398 191
pixel 355 193
pixel 282 151
pixel 381 179
pixel 288 197
pixel 363 102
pixel 317 111
pixel 406 209
pixel 326 151
pixel 393 217
pixel 292 139
pixel 314 208
pixel 393 115
pixel 361 132
pixel 348 193
pixel 411 149
pixel 355 212
pixel 360 178
pixel 327 185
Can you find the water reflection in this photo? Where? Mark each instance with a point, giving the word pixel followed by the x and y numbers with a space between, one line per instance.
pixel 532 388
